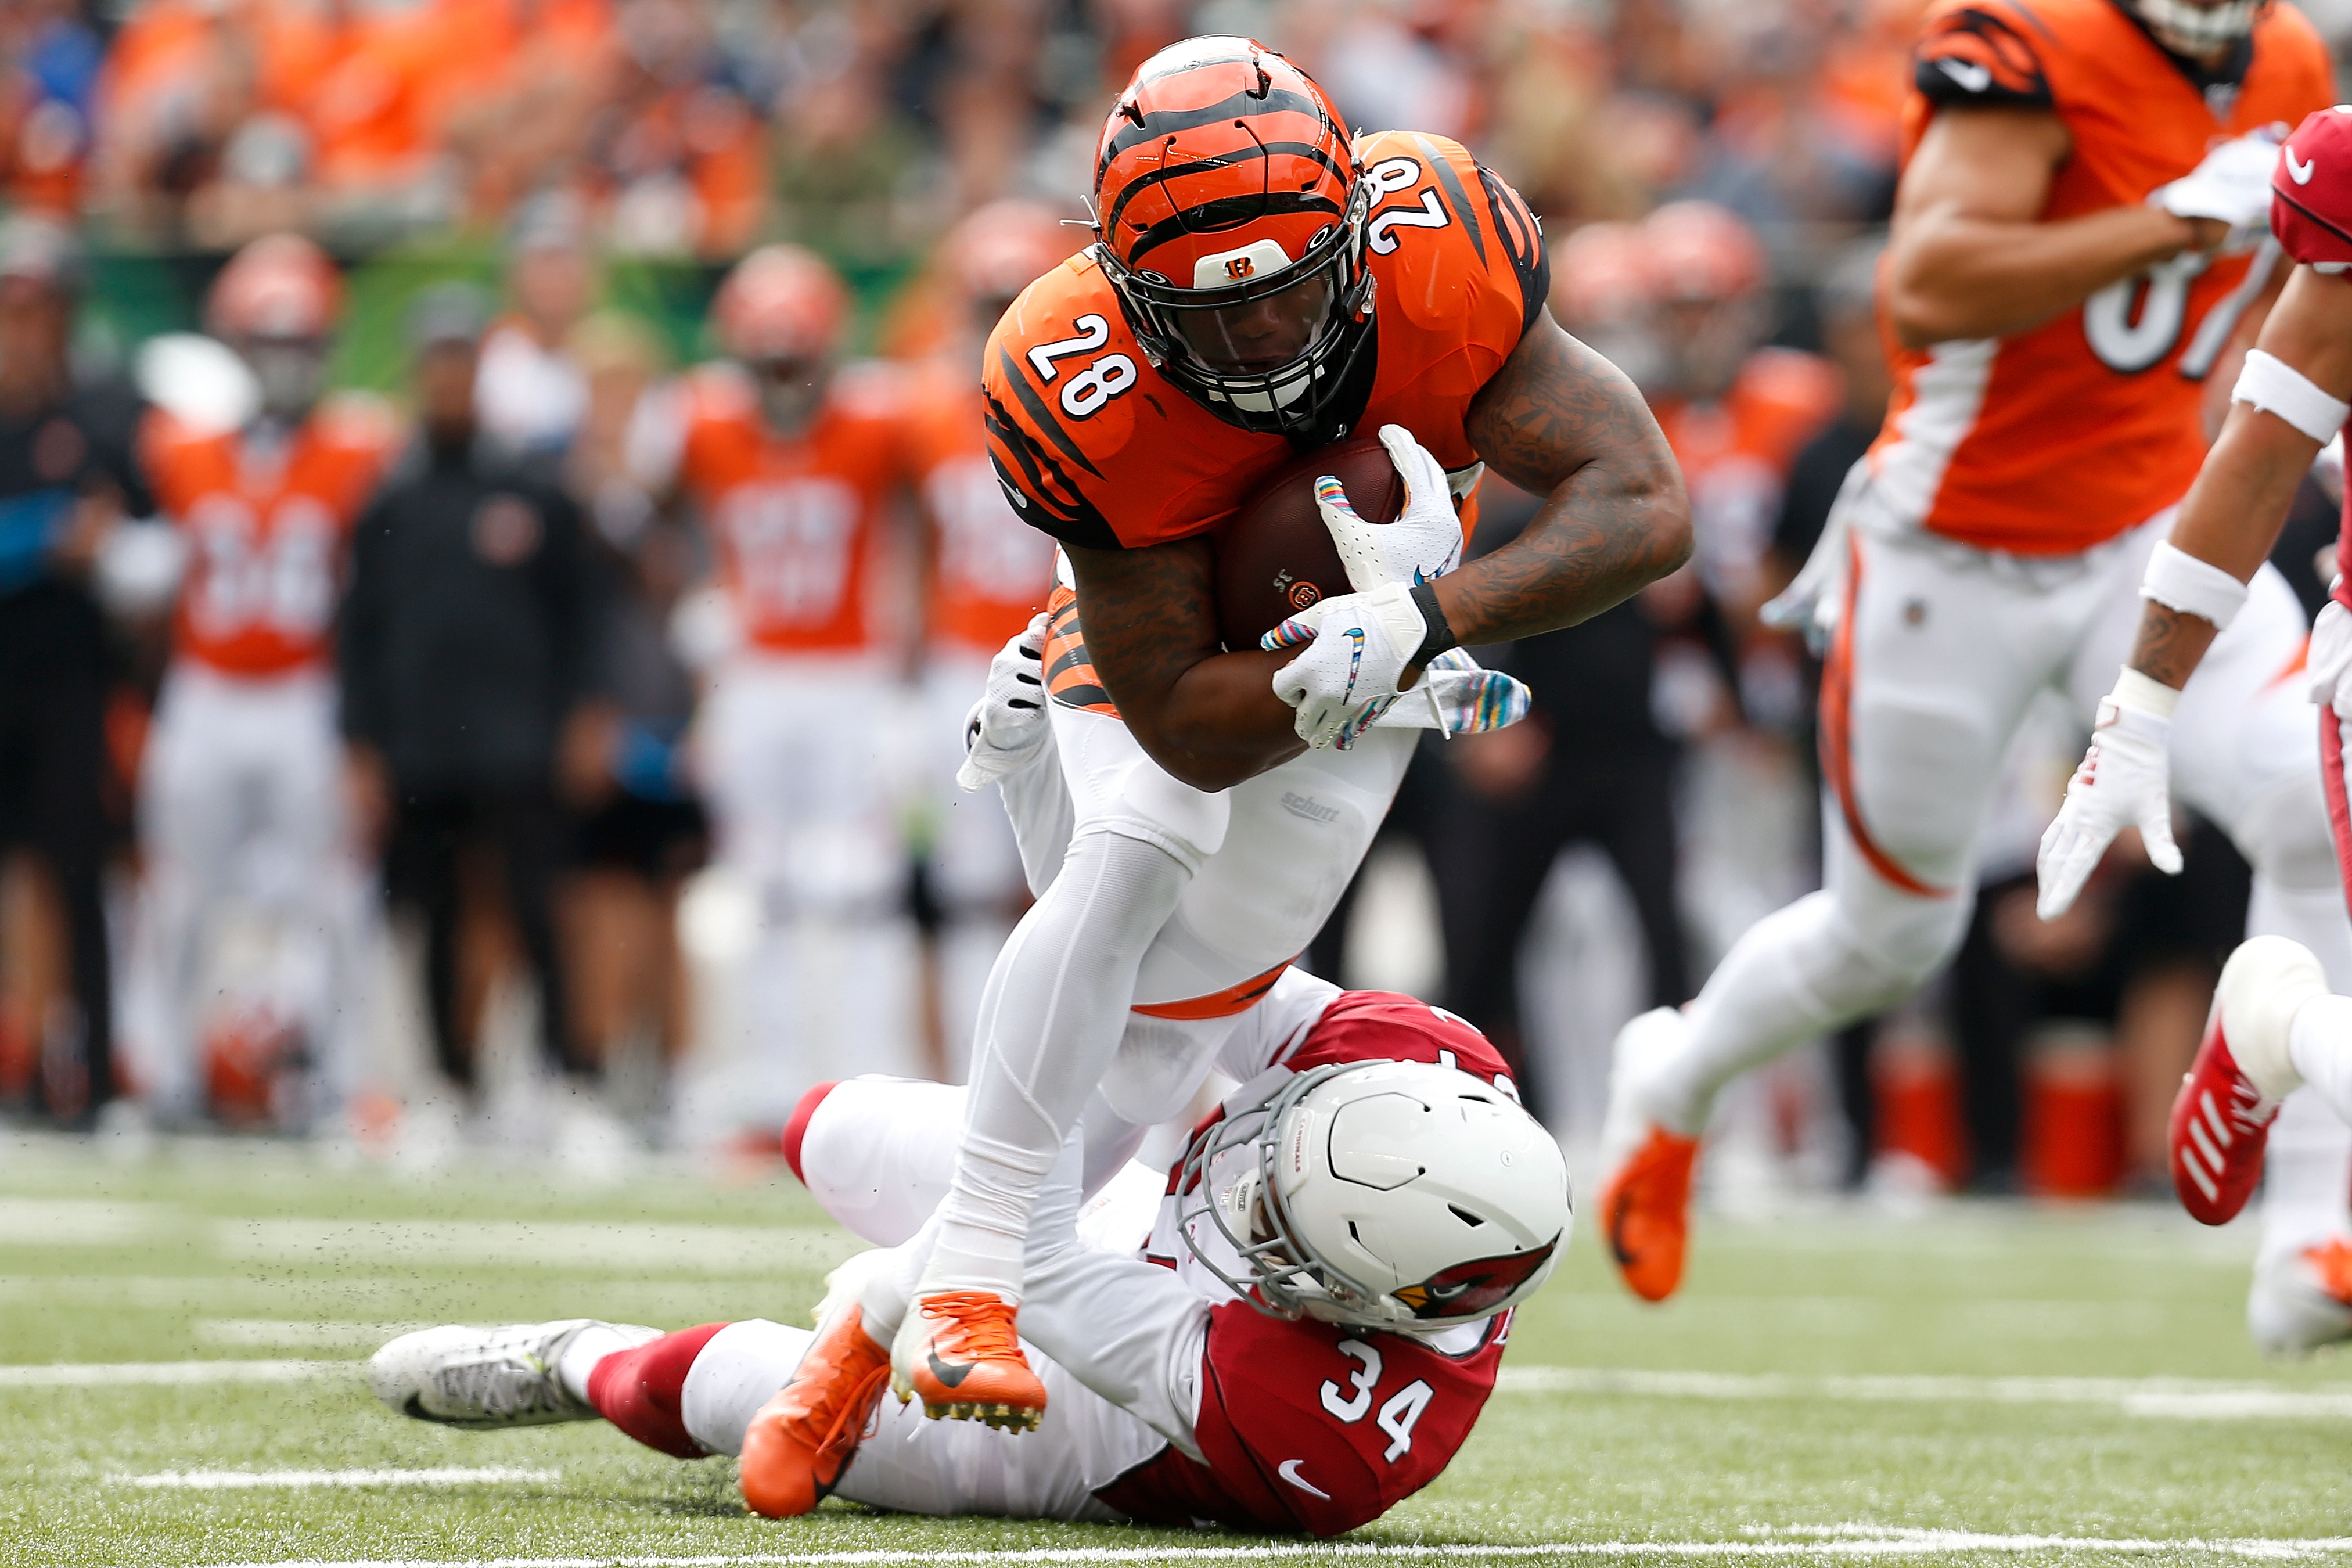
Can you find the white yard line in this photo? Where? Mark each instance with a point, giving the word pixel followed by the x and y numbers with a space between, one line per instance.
pixel 99 1374
pixel 711 1250
pixel 246 1480
pixel 304 1333
pixel 2170 1398
pixel 1896 1543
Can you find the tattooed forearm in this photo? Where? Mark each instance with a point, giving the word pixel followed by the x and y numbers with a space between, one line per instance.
pixel 1560 421
pixel 2170 643
pixel 1148 615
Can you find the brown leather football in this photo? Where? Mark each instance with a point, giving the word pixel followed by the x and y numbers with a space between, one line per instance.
pixel 1276 558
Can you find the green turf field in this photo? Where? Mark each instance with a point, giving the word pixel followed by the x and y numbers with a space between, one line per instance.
pixel 2045 1386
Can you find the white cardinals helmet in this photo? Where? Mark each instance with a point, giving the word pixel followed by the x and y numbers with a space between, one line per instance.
pixel 1381 1194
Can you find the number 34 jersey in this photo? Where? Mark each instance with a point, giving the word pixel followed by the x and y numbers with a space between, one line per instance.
pixel 1308 1425
pixel 1094 447
pixel 2071 432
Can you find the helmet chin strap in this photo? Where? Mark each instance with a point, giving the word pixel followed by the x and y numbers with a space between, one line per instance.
pixel 2189 28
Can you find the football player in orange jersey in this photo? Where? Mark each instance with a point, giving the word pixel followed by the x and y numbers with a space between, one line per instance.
pixel 987 574
pixel 791 463
pixel 239 796
pixel 2276 1026
pixel 1261 285
pixel 2084 183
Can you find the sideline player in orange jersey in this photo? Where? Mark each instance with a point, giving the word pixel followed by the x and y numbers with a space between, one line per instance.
pixel 987 574
pixel 1261 285
pixel 2276 1025
pixel 792 462
pixel 239 795
pixel 2083 183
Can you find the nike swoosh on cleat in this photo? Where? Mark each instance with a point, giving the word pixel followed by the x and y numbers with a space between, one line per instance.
pixel 952 1377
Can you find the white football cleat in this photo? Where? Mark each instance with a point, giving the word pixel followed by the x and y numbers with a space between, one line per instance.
pixel 2303 1301
pixel 481 1378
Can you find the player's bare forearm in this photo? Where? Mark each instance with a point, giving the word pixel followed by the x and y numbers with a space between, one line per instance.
pixel 1968 256
pixel 1560 421
pixel 2233 512
pixel 1210 718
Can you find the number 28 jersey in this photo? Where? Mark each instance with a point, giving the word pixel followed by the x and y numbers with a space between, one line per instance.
pixel 1308 1425
pixel 2070 432
pixel 1096 449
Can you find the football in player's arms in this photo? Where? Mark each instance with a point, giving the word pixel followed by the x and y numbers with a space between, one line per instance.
pixel 1294 1331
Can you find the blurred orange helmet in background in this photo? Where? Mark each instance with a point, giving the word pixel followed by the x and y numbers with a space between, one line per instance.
pixel 1225 189
pixel 1699 252
pixel 1002 248
pixel 279 286
pixel 1599 273
pixel 781 302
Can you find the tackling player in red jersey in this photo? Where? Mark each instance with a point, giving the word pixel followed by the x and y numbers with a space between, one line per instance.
pixel 2275 1027
pixel 1261 284
pixel 1255 1362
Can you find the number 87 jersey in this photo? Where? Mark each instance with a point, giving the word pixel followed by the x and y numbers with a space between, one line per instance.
pixel 2068 433
pixel 1262 285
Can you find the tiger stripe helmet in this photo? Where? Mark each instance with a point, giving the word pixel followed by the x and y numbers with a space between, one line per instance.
pixel 1229 214
pixel 279 286
pixel 782 303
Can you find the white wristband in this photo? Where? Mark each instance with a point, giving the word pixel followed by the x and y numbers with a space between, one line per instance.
pixel 2178 581
pixel 2272 384
pixel 2138 693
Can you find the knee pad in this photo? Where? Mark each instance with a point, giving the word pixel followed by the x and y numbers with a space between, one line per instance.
pixel 1189 823
pixel 1888 944
pixel 1161 1062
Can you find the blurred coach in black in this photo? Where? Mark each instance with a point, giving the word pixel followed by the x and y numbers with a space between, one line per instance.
pixel 468 669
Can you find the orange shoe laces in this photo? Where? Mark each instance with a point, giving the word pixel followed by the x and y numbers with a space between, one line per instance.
pixel 977 1323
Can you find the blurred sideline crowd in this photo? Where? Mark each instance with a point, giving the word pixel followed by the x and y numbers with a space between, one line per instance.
pixel 550 743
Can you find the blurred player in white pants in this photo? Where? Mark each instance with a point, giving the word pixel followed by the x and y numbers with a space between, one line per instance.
pixel 1346 1384
pixel 240 791
pixel 791 464
pixel 1996 539
pixel 988 572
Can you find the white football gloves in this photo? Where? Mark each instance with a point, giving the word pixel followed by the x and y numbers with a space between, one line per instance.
pixel 1346 679
pixel 2232 185
pixel 2328 665
pixel 2121 783
pixel 1005 728
pixel 1425 540
pixel 1348 675
pixel 1456 696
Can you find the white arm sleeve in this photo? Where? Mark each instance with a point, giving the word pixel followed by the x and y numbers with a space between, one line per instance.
pixel 2270 384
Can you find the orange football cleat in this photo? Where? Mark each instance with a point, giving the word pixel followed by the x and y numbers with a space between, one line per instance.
pixel 1646 1212
pixel 800 1441
pixel 957 1351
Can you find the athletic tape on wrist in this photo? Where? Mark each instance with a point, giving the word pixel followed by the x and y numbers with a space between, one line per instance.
pixel 2178 581
pixel 2270 384
pixel 2144 694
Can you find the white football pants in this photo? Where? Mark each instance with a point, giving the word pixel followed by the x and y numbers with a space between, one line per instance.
pixel 795 756
pixel 1942 650
pixel 1166 895
pixel 241 803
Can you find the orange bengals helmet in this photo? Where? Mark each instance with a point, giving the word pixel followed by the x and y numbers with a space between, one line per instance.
pixel 1699 252
pixel 279 286
pixel 1230 215
pixel 999 250
pixel 782 303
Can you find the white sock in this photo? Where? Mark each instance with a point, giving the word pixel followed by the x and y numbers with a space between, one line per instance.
pixel 591 1345
pixel 738 1370
pixel 1054 1010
